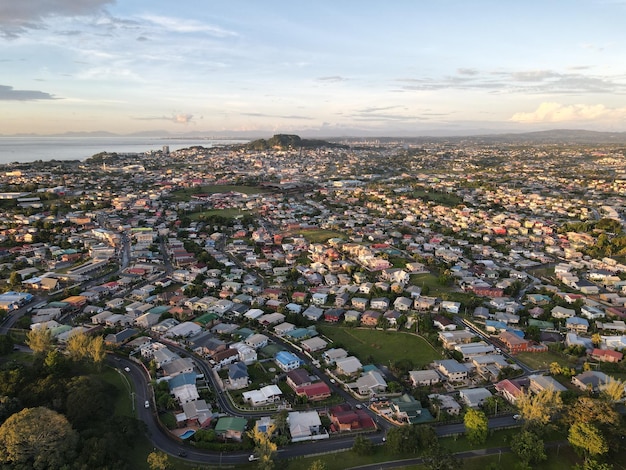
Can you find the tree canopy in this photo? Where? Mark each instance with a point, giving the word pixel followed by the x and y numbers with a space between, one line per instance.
pixel 38 438
pixel 476 426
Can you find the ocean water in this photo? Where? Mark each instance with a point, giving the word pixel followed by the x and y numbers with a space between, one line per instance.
pixel 30 149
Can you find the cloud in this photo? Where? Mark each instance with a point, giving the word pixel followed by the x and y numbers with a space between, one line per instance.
pixel 177 118
pixel 8 93
pixel 556 112
pixel 276 116
pixel 18 16
pixel 178 25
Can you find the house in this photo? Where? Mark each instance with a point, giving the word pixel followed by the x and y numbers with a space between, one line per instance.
pixel 577 324
pixel 178 366
pixel 231 428
pixel 359 303
pixel 379 303
pixel 256 341
pixel 197 413
pixel 606 355
pixel 451 338
pixel 452 369
pixel 333 315
pixel 305 425
pixel 348 366
pixel 287 361
pixel 247 354
pixel 513 342
pixel 562 312
pixel 406 409
pixel 451 307
pixel 263 396
pixel 511 389
pixel 591 381
pixel 471 350
pixel 370 383
pixel 313 344
pixel 542 382
pixel 424 303
pixel 283 328
pixel 445 403
pixel 314 392
pixel 225 357
pixel 422 378
pixel 333 355
pixel 344 418
pixel 443 323
pixel 298 378
pixel 183 387
pixel 370 317
pixel 351 316
pixel 238 376
pixel 403 304
pixel 313 313
pixel 474 397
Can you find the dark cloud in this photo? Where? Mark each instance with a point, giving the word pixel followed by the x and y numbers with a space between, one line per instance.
pixel 18 16
pixel 142 38
pixel 8 93
pixel 463 71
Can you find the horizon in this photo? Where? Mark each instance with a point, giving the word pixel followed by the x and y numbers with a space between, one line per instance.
pixel 329 69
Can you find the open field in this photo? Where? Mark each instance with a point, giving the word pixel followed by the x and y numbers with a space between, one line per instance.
pixel 543 360
pixel 227 213
pixel 185 194
pixel 317 235
pixel 431 281
pixel 383 346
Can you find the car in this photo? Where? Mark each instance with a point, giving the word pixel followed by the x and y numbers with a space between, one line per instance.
pixel 147 404
pixel 333 381
pixel 252 458
pixel 182 454
pixel 127 369
pixel 359 406
pixel 384 439
pixel 516 417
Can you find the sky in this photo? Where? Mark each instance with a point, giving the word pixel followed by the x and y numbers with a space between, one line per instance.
pixel 317 68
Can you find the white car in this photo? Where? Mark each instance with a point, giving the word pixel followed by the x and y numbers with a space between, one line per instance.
pixel 127 369
pixel 252 458
pixel 147 404
pixel 517 417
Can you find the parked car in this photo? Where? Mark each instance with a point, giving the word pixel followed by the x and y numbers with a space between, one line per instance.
pixel 147 404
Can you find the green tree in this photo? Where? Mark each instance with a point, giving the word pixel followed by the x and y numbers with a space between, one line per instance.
pixel 362 445
pixel 78 346
pixel 15 279
pixel 614 390
pixel 37 438
pixel 529 448
pixel 402 440
pixel 476 426
pixel 438 458
pixel 39 340
pixel 158 460
pixel 587 439
pixel 97 350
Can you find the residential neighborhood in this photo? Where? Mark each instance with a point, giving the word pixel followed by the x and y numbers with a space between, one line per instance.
pixel 382 286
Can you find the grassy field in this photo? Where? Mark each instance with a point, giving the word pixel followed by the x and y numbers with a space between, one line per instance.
pixel 543 360
pixel 228 213
pixel 431 281
pixel 185 194
pixel 318 235
pixel 383 346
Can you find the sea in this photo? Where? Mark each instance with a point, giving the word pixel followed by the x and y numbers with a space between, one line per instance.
pixel 29 149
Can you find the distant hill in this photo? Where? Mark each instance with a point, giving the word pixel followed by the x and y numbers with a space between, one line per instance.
pixel 289 141
pixel 558 136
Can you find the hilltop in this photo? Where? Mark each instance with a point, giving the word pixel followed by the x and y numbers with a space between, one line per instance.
pixel 290 141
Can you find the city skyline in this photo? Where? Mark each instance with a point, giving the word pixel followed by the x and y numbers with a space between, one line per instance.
pixel 328 69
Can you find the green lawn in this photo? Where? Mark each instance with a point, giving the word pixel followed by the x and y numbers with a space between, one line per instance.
pixel 431 281
pixel 383 346
pixel 544 359
pixel 318 235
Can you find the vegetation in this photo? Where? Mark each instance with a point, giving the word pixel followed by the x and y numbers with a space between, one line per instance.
pixel 476 426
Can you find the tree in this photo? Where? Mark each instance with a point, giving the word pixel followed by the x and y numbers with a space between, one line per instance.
pixel 592 411
pixel 587 439
pixel 476 426
pixel 158 460
pixel 362 445
pixel 402 440
pixel 15 279
pixel 439 458
pixel 537 410
pixel 97 351
pixel 529 448
pixel 264 448
pixel 78 346
pixel 25 442
pixel 614 391
pixel 39 340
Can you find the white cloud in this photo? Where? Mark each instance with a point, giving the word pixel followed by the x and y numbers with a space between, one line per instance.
pixel 557 112
pixel 178 25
